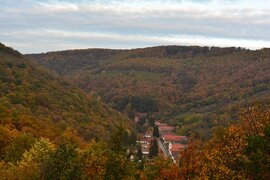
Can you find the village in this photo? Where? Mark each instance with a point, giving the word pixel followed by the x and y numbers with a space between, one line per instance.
pixel 168 143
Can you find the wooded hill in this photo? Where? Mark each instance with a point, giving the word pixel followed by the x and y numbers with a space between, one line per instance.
pixel 196 89
pixel 35 102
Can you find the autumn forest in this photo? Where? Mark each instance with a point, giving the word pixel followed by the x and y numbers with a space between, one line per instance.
pixel 117 114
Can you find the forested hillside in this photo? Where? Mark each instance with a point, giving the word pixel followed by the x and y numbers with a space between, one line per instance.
pixel 34 102
pixel 51 130
pixel 196 89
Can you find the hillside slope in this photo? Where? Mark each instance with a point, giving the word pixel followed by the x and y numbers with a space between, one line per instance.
pixel 35 102
pixel 193 88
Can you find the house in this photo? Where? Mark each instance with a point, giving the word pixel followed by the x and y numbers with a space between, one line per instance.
pixel 145 149
pixel 171 138
pixel 145 140
pixel 145 144
pixel 158 123
pixel 164 129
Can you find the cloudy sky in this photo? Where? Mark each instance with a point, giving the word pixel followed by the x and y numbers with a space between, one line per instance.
pixel 33 26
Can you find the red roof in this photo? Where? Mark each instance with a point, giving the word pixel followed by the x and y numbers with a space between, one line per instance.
pixel 171 137
pixel 158 123
pixel 177 147
pixel 166 128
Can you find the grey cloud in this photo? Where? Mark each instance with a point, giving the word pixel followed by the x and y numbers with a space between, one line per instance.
pixel 239 23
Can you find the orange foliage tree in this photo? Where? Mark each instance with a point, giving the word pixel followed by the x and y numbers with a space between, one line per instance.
pixel 225 154
pixel 190 160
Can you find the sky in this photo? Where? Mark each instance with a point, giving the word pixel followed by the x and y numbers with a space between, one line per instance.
pixel 35 26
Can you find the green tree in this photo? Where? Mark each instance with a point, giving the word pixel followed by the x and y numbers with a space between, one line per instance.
pixel 5 140
pixel 257 150
pixel 96 159
pixel 144 104
pixel 64 163
pixel 18 146
pixel 118 164
pixel 139 153
pixel 153 149
pixel 156 132
pixel 32 161
pixel 160 169
pixel 119 167
pixel 40 152
pixel 116 140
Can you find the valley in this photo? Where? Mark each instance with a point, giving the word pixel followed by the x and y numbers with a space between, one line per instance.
pixel 195 89
pixel 134 90
pixel 171 111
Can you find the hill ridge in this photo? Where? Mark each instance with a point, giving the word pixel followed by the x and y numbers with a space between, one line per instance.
pixel 194 88
pixel 36 102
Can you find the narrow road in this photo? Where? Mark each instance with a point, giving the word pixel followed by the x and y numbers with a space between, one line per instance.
pixel 164 150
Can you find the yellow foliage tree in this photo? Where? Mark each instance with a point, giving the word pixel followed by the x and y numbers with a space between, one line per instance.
pixel 225 156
